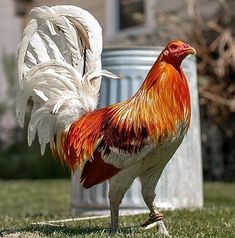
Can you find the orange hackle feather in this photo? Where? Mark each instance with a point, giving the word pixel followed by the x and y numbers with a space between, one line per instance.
pixel 158 110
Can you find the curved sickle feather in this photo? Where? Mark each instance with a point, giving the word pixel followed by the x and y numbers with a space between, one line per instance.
pixel 59 67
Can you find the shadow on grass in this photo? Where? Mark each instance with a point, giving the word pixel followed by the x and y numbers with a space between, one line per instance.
pixel 66 230
pixel 50 229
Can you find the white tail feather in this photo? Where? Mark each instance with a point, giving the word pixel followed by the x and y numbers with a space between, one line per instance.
pixel 59 68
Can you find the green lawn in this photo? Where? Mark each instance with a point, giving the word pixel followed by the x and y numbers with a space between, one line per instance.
pixel 25 202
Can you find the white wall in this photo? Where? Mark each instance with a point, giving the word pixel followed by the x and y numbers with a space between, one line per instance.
pixel 10 34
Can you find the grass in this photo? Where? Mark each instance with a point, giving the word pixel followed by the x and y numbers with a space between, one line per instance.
pixel 24 202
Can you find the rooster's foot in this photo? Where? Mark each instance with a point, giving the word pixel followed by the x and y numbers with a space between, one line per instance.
pixel 156 220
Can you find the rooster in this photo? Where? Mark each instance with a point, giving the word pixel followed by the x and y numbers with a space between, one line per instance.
pixel 59 67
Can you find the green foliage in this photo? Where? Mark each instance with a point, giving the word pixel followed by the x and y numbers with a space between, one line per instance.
pixel 22 162
pixel 17 160
pixel 25 202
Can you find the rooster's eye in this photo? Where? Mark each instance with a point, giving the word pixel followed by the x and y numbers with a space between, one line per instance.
pixel 173 47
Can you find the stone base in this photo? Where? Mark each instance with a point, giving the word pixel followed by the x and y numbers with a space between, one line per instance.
pixel 78 211
pixel 122 212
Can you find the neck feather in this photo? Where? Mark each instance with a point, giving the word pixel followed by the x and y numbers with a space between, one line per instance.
pixel 161 105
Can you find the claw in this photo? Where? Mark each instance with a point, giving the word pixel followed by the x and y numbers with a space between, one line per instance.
pixel 156 220
pixel 161 229
pixel 151 225
pixel 153 218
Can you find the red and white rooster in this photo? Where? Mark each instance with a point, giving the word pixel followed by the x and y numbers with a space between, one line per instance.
pixel 59 69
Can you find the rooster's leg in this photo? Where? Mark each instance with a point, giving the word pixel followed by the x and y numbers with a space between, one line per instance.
pixel 118 186
pixel 148 185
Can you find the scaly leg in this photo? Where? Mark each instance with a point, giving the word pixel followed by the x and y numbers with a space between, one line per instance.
pixel 118 185
pixel 148 185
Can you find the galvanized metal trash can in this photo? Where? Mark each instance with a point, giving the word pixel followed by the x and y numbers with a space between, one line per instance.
pixel 180 185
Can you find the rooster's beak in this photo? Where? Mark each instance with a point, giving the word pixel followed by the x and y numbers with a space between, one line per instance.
pixel 191 50
pixel 187 49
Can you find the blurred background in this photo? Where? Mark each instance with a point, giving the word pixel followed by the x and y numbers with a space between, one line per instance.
pixel 208 25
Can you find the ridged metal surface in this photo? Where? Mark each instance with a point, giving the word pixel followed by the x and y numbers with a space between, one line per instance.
pixel 180 185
